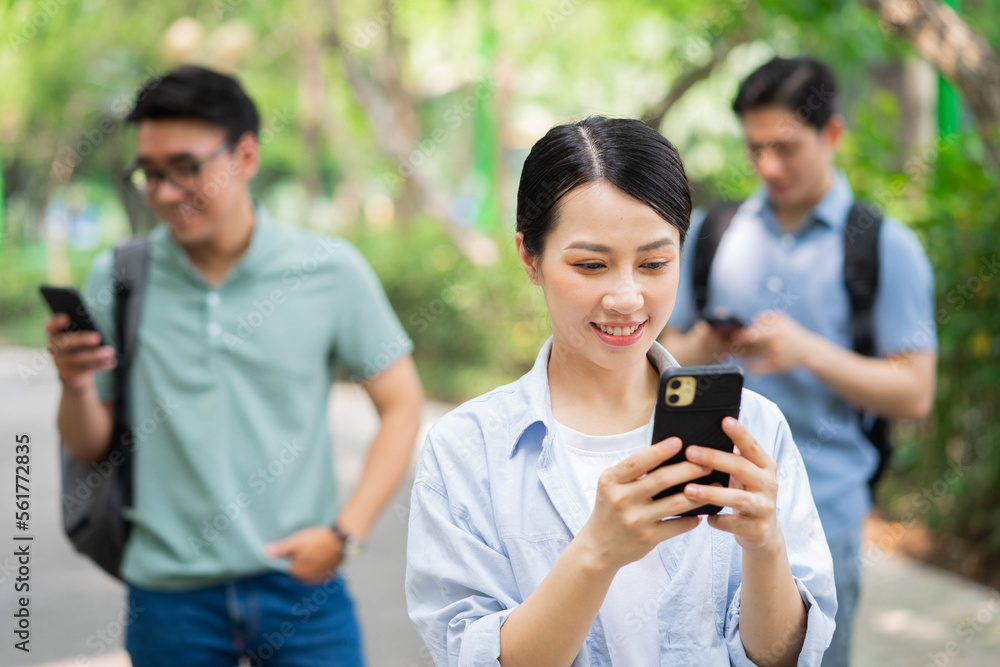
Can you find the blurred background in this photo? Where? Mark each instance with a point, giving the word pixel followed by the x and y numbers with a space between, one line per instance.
pixel 402 125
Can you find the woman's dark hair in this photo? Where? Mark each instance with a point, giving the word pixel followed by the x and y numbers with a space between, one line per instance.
pixel 803 85
pixel 626 153
pixel 195 92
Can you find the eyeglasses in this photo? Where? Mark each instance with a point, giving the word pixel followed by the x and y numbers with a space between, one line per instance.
pixel 183 175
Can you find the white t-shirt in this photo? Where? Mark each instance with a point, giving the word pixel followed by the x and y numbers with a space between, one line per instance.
pixel 629 612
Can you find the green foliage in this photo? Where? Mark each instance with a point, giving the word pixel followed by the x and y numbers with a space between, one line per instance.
pixel 22 270
pixel 961 444
pixel 22 310
pixel 946 472
pixel 474 328
pixel 67 67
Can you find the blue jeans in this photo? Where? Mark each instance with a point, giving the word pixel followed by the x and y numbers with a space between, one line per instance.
pixel 271 619
pixel 846 554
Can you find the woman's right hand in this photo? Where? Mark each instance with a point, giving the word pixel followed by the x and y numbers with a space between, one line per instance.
pixel 626 522
pixel 77 355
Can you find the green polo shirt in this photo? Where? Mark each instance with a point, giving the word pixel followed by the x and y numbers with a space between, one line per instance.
pixel 228 395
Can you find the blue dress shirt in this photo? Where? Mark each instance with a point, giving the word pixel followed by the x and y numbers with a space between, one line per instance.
pixel 758 267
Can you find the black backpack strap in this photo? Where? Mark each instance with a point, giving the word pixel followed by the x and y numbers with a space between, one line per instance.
pixel 716 222
pixel 861 269
pixel 129 281
pixel 861 274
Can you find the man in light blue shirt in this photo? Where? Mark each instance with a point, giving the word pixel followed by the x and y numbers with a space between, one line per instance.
pixel 779 269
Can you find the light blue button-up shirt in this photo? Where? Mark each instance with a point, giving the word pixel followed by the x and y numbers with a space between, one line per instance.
pixel 495 503
pixel 758 267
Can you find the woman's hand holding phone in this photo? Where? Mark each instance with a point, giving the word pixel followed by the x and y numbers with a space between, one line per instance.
pixel 77 355
pixel 752 492
pixel 626 522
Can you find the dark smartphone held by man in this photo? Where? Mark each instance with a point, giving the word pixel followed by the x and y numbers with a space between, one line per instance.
pixel 67 300
pixel 723 322
pixel 78 349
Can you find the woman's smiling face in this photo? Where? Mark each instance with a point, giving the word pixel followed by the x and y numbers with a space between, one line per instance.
pixel 609 270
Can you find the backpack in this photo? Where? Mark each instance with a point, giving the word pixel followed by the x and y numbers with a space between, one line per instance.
pixel 95 494
pixel 861 271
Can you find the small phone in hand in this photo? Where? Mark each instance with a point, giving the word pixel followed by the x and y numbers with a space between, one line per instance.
pixel 726 323
pixel 723 321
pixel 691 403
pixel 67 300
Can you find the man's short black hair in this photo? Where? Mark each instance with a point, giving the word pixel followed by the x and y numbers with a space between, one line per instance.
pixel 803 85
pixel 196 92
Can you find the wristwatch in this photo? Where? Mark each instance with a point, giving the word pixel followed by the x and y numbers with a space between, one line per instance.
pixel 351 546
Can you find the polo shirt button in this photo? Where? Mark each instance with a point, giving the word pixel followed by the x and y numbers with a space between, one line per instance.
pixel 787 241
pixel 214 329
pixel 774 284
pixel 213 298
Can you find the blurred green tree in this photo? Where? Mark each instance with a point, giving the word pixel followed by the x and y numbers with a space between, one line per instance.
pixel 374 111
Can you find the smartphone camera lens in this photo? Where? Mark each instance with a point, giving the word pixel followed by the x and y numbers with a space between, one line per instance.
pixel 676 384
pixel 673 398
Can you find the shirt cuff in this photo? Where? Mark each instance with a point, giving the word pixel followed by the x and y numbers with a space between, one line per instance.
pixel 481 641
pixel 819 631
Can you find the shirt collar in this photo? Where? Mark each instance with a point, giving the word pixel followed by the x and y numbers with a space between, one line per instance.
pixel 833 207
pixel 534 403
pixel 164 246
pixel 831 210
pixel 261 243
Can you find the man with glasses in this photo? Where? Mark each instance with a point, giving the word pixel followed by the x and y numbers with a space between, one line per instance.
pixel 775 300
pixel 236 530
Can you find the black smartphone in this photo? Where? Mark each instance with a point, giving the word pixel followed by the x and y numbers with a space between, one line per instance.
pixel 729 323
pixel 67 300
pixel 691 403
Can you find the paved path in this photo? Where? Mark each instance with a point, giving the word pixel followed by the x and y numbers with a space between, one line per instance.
pixel 911 614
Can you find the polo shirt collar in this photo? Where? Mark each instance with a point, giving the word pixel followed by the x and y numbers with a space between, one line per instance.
pixel 261 243
pixel 164 246
pixel 533 402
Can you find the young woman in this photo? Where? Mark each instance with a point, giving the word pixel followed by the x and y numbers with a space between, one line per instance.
pixel 533 536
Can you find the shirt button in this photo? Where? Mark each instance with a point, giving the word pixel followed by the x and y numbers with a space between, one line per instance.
pixel 774 284
pixel 213 299
pixel 787 241
pixel 214 329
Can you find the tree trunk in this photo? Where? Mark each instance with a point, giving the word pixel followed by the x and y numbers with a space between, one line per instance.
pixel 56 255
pixel 654 116
pixel 390 112
pixel 312 110
pixel 140 217
pixel 392 119
pixel 960 54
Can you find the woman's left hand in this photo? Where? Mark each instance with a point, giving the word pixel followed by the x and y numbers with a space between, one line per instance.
pixel 752 491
